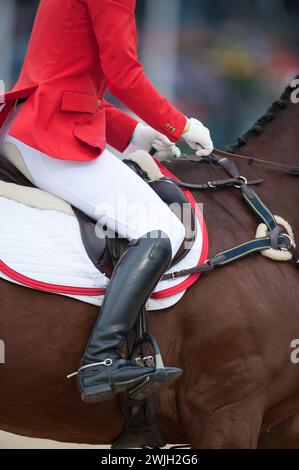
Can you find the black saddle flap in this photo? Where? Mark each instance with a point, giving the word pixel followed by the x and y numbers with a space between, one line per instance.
pixel 174 197
pixel 96 247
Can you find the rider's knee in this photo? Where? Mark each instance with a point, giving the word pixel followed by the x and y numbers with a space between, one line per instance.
pixel 162 244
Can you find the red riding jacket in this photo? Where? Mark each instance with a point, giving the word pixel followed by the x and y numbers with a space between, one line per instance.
pixel 78 50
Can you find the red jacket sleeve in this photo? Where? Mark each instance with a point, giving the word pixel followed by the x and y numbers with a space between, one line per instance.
pixel 119 127
pixel 115 28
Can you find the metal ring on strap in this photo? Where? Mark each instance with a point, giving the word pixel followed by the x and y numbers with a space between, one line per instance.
pixel 291 245
pixel 281 254
pixel 242 178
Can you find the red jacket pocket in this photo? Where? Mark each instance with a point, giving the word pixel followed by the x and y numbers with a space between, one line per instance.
pixel 79 102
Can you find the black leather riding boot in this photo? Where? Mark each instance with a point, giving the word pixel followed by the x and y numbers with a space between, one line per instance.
pixel 103 371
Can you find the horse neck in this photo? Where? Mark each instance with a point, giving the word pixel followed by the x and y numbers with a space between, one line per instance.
pixel 278 140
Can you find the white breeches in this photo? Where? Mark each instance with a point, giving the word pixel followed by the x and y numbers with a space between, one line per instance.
pixel 106 190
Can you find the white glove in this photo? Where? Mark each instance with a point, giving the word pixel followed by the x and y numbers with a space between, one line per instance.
pixel 145 137
pixel 198 137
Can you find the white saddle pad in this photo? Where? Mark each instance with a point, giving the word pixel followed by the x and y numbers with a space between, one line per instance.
pixel 42 249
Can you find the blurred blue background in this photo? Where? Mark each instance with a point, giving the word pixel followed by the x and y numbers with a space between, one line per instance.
pixel 221 61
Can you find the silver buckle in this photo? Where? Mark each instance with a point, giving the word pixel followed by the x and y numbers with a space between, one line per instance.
pixel 283 248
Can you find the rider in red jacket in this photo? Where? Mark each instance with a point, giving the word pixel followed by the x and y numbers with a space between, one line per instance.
pixel 78 50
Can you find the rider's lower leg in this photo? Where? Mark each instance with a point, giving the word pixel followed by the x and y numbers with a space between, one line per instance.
pixel 103 370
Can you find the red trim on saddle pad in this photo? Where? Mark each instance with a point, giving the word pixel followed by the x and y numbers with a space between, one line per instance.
pixel 45 286
pixel 88 291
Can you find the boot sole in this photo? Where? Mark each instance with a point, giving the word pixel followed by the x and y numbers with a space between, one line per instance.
pixel 137 389
pixel 151 385
pixel 104 392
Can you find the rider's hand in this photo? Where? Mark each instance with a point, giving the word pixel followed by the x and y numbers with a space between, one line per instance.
pixel 198 137
pixel 145 137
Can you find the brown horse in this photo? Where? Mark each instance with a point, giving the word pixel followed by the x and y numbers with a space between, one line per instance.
pixel 231 332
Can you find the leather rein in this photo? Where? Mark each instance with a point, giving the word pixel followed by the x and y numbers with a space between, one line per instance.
pixel 280 167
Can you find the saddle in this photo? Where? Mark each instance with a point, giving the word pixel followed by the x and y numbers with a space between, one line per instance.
pixel 102 250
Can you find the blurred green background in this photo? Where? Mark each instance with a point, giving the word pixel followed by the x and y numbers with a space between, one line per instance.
pixel 221 61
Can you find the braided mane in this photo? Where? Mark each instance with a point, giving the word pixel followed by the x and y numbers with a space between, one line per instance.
pixel 268 117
